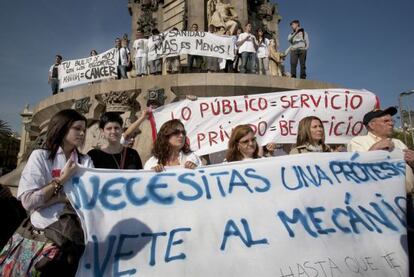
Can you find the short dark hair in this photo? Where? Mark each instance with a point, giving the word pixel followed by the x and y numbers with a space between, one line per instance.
pixel 294 21
pixel 155 31
pixel 59 56
pixel 110 117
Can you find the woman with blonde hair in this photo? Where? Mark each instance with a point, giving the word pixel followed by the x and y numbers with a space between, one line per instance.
pixel 275 59
pixel 242 144
pixel 311 136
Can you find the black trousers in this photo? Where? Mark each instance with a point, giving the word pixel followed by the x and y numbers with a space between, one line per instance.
pixel 296 55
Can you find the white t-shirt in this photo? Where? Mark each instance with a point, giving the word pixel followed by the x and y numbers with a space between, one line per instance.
pixel 263 49
pixel 122 53
pixel 141 47
pixel 183 158
pixel 248 45
pixel 36 174
pixel 152 43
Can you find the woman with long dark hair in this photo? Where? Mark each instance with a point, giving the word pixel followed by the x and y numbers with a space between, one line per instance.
pixel 51 242
pixel 171 148
pixel 242 144
pixel 311 136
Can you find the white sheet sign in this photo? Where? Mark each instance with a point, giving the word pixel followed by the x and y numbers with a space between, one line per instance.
pixel 339 214
pixel 175 43
pixel 273 116
pixel 86 70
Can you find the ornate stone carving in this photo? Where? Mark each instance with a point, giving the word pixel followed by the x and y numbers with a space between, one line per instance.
pixel 118 101
pixel 82 105
pixel 155 97
pixel 220 14
pixel 146 21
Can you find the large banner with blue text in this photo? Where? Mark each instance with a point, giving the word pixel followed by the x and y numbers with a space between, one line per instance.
pixel 340 214
pixel 87 70
pixel 174 43
pixel 273 116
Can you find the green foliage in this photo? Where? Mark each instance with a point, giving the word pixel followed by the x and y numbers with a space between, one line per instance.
pixel 5 130
pixel 400 135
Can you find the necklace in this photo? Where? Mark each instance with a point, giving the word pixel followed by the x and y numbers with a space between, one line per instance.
pixel 115 160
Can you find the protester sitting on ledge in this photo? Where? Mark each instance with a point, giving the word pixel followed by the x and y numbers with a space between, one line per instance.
pixel 171 148
pixel 242 144
pixel 114 155
pixel 54 75
pixel 380 126
pixel 311 136
pixel 93 53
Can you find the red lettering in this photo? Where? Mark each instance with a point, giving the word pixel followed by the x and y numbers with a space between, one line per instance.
pixel 333 103
pixel 358 103
pixel 316 103
pixel 286 103
pixel 203 108
pixel 186 113
pixel 251 105
pixel 200 138
pixel 304 100
pixel 226 104
pixel 262 103
pixel 212 138
pixel 294 99
pixel 336 133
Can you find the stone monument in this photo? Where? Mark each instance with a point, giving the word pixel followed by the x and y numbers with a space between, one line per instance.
pixel 127 96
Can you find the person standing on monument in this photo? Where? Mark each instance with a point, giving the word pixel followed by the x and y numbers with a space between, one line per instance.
pixel 155 62
pixel 198 60
pixel 140 47
pixel 262 53
pixel 54 75
pixel 299 45
pixel 247 45
pixel 173 62
pixel 123 57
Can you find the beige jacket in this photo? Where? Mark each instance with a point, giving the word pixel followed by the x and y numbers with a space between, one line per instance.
pixel 364 143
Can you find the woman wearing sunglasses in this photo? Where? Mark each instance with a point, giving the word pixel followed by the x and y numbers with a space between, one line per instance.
pixel 242 144
pixel 171 148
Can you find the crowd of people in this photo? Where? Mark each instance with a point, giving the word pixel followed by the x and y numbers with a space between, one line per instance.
pixel 254 54
pixel 50 242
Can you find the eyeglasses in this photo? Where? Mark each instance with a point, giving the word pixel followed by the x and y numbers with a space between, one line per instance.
pixel 245 142
pixel 178 132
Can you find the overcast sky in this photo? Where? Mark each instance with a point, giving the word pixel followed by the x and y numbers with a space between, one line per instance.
pixel 355 43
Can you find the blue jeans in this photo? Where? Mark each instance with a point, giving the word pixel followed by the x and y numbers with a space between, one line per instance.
pixel 248 62
pixel 54 83
pixel 122 72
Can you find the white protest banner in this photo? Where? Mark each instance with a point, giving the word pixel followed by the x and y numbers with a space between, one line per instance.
pixel 273 116
pixel 175 43
pixel 86 70
pixel 324 214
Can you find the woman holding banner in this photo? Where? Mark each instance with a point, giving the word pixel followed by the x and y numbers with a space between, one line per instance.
pixel 115 155
pixel 311 136
pixel 172 148
pixel 242 144
pixel 51 241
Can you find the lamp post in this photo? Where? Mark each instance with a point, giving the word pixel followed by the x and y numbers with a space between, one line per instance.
pixel 402 94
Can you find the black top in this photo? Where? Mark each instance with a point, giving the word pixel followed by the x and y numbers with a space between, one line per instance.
pixel 104 160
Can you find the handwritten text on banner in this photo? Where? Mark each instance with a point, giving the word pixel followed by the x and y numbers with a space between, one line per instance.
pixel 339 214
